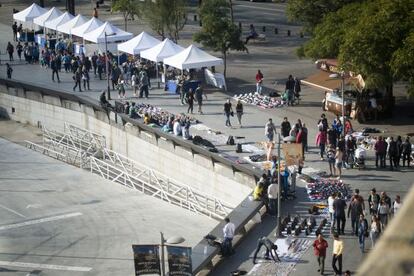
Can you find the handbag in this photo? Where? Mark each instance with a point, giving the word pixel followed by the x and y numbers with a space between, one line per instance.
pixel 231 113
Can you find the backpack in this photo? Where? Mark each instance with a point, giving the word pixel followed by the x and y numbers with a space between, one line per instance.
pixel 230 140
pixel 239 148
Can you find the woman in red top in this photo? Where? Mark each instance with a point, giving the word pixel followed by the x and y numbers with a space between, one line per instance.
pixel 259 82
pixel 319 246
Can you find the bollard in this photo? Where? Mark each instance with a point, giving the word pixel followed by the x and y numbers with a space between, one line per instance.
pixel 199 23
pixel 195 17
pixel 276 31
pixel 240 25
pixel 288 33
pixel 301 34
pixel 264 29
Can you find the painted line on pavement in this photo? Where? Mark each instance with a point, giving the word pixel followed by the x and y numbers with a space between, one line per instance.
pixel 47 266
pixel 37 221
pixel 12 211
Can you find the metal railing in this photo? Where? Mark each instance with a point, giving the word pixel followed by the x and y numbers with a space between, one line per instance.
pixel 85 149
pixel 121 169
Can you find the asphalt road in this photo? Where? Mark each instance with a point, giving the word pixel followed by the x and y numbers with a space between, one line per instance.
pixel 60 220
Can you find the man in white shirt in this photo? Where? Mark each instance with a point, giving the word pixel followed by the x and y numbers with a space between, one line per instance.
pixel 272 191
pixel 331 210
pixel 228 233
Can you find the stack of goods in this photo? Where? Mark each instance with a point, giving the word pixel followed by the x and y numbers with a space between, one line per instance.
pixel 309 227
pixel 322 188
pixel 259 100
pixel 159 116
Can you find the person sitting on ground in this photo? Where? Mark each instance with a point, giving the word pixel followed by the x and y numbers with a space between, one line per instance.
pixel 177 127
pixel 186 130
pixel 133 111
pixel 147 118
pixel 103 101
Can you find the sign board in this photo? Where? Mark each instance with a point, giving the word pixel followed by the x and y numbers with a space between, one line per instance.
pixel 179 261
pixel 146 259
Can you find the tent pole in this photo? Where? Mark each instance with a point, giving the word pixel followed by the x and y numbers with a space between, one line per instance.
pixel 118 56
pixel 156 72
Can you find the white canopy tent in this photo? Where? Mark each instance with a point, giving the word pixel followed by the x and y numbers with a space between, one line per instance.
pixel 51 14
pixel 139 43
pixel 191 58
pixel 161 51
pixel 54 23
pixel 112 34
pixel 67 27
pixel 27 15
pixel 89 26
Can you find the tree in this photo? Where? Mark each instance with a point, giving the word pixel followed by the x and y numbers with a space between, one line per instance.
pixel 218 31
pixel 128 8
pixel 371 38
pixel 166 17
pixel 311 12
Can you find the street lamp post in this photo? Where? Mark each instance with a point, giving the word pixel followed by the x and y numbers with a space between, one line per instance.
pixel 171 240
pixel 279 204
pixel 108 91
pixel 336 76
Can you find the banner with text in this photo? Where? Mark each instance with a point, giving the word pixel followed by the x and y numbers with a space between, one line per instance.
pixel 179 260
pixel 146 259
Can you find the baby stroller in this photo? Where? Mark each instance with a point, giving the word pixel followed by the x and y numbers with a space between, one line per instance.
pixel 360 156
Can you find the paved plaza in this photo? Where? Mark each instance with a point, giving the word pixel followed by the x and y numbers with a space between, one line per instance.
pixel 276 59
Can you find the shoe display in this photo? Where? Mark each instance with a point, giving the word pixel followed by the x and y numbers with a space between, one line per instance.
pixel 259 100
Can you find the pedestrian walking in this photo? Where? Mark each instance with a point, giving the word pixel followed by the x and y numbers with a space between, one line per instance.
pixel 270 249
pixel 290 89
pixel 338 249
pixel 321 142
pixel 323 123
pixel 305 137
pixel 375 230
pixel 54 67
pixel 383 213
pixel 121 87
pixel 330 155
pixel 339 208
pixel 190 101
pixel 373 201
pixel 297 88
pixel 406 151
pixel 338 161
pixel 362 232
pixel 144 83
pixel 9 71
pixel 259 82
pixel 331 210
pixel 199 93
pixel 399 149
pixel 14 28
pixel 85 78
pixel 355 210
pixel 10 50
pixel 396 205
pixel 228 234
pixel 19 49
pixel 239 112
pixel 272 192
pixel 228 111
pixel 392 152
pixel 77 79
pixel 270 130
pixel 380 148
pixel 285 127
pixel 319 248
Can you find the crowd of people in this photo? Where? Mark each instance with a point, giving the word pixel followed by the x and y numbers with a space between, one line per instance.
pixel 380 209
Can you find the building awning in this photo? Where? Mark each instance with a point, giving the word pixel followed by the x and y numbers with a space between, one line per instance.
pixel 322 81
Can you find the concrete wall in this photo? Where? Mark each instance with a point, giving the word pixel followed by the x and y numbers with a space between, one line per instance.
pixel 176 162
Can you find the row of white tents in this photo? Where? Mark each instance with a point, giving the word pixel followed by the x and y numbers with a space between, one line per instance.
pixel 96 31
